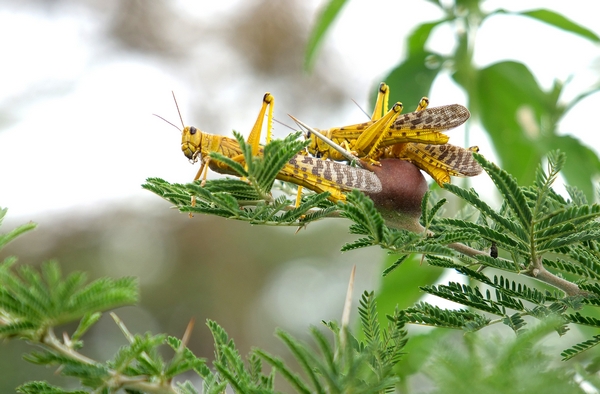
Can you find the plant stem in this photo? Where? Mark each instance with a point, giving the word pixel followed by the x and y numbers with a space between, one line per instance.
pixel 537 271
pixel 542 274
pixel 117 380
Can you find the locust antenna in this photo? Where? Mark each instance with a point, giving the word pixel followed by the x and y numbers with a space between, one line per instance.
pixel 349 156
pixel 158 116
pixel 284 125
pixel 361 108
pixel 177 105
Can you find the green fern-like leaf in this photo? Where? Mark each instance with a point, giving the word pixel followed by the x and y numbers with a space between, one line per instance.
pixel 502 239
pixel 236 168
pixel 368 316
pixel 425 208
pixel 11 235
pixel 239 189
pixel 509 189
pixel 584 320
pixel 426 314
pixel 306 360
pixel 586 257
pixel 506 290
pixel 186 387
pixel 577 195
pixel 86 322
pixel 360 209
pixel 571 268
pixel 184 360
pixel 457 236
pixel 359 243
pixel 302 211
pixel 429 248
pixel 44 388
pixel 136 357
pixel 93 375
pixel 318 214
pixel 394 339
pixel 31 300
pixel 428 215
pixel 506 223
pixel 544 181
pixel 580 348
pixel 395 265
pixel 574 238
pixel 566 222
pixel 294 379
pixel 276 155
pixel 176 194
pixel 438 261
pixel 465 295
pixel 502 264
pixel 515 322
pixel 220 337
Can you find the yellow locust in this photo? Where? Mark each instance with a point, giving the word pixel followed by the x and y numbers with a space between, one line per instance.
pixel 415 136
pixel 311 172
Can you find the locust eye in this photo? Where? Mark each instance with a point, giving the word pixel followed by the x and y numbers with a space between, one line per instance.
pixel 308 134
pixel 193 130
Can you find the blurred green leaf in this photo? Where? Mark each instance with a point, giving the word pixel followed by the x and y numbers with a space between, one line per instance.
pixel 559 21
pixel 401 287
pixel 589 92
pixel 412 79
pixel 476 364
pixel 417 39
pixel 419 349
pixel 436 2
pixel 6 238
pixel 328 14
pixel 511 101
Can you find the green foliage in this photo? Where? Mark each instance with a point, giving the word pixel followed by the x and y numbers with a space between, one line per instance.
pixel 535 229
pixel 31 301
pixel 535 226
pixel 493 365
pixel 559 21
pixel 6 238
pixel 248 200
pixel 504 96
pixel 349 365
pixel 326 17
pixel 44 388
pixel 539 233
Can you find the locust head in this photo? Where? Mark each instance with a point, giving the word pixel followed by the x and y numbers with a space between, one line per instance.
pixel 191 141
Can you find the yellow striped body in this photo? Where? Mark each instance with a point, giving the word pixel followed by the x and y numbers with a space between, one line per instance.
pixel 310 172
pixel 439 161
pixel 425 126
pixel 416 137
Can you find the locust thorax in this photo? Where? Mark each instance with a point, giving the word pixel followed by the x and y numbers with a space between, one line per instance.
pixel 317 146
pixel 313 147
pixel 191 141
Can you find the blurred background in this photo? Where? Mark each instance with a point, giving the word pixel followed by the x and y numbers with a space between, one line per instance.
pixel 80 81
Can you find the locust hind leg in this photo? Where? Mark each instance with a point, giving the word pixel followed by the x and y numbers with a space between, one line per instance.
pixel 374 134
pixel 423 103
pixel 381 105
pixel 254 137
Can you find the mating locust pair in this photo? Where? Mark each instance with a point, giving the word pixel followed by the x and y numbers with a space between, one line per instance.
pixel 416 137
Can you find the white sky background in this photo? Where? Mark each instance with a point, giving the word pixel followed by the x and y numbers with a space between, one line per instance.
pixel 95 144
